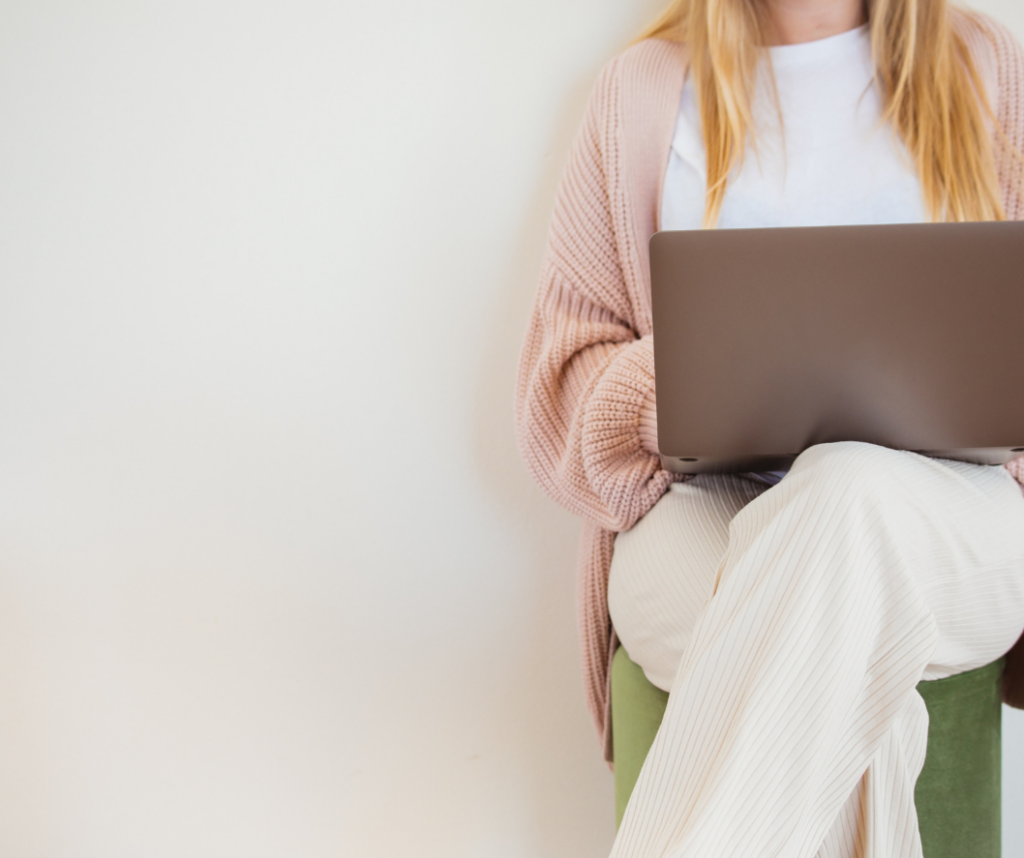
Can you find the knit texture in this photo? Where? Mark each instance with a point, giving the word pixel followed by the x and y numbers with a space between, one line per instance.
pixel 585 395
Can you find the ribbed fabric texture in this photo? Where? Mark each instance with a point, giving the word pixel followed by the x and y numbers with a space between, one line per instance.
pixel 664 569
pixel 793 727
pixel 585 390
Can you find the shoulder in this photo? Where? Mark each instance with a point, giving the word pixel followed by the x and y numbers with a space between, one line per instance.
pixel 984 33
pixel 637 74
pixel 996 52
pixel 651 58
pixel 999 61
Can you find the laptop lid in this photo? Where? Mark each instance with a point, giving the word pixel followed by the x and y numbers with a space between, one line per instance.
pixel 768 341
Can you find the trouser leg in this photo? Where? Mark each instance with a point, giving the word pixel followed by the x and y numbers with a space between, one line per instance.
pixel 879 819
pixel 837 588
pixel 664 569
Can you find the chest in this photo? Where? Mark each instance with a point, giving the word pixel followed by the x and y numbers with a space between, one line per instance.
pixel 820 153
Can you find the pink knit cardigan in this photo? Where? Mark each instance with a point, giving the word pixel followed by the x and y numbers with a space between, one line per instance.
pixel 585 390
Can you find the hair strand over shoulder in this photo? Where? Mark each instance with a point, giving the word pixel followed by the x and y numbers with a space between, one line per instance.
pixel 932 94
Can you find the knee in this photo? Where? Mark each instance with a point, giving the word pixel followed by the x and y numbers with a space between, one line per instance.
pixel 850 466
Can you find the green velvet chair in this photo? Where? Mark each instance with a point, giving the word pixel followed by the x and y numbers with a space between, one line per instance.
pixel 958 794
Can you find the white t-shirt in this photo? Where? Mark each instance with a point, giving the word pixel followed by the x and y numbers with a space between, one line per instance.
pixel 835 163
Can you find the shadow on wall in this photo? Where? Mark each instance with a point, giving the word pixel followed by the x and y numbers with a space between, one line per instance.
pixel 548 721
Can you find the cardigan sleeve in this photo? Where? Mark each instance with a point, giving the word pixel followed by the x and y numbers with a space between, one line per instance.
pixel 999 58
pixel 1009 111
pixel 1009 144
pixel 1010 161
pixel 585 372
pixel 1010 116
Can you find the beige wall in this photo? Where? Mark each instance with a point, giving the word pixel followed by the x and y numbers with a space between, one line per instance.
pixel 273 581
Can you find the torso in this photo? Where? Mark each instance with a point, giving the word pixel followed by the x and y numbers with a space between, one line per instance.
pixel 831 162
pixel 836 163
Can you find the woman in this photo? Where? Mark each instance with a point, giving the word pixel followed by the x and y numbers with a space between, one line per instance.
pixel 790 616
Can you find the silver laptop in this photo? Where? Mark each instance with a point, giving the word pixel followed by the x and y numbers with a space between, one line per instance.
pixel 767 341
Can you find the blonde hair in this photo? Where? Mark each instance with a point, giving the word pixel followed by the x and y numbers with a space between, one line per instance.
pixel 931 93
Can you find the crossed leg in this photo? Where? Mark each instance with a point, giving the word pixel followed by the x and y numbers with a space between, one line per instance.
pixel 793 727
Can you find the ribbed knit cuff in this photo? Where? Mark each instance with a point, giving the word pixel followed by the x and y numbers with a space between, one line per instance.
pixel 627 476
pixel 649 423
pixel 1016 467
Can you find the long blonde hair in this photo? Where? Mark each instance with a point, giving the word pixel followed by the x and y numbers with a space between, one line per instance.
pixel 931 93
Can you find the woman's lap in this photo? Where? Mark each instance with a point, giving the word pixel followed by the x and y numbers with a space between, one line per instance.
pixel 964 522
pixel 663 569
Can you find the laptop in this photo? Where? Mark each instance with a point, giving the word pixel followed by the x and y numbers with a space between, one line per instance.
pixel 768 341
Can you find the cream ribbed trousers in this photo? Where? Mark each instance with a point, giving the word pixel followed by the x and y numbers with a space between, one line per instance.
pixel 791 625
